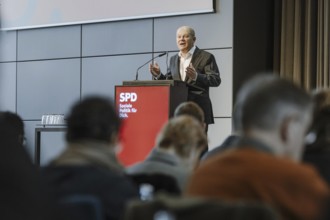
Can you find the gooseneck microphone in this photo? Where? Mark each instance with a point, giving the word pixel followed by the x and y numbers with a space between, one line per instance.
pixel 137 71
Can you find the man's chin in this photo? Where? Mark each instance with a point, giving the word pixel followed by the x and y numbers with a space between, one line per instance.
pixel 183 49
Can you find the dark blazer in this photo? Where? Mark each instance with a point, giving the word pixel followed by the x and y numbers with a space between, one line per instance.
pixel 207 76
pixel 229 142
pixel 111 188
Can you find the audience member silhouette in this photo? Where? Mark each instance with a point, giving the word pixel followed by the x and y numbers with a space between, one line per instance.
pixel 14 122
pixel 264 166
pixel 317 151
pixel 177 150
pixel 22 195
pixel 192 109
pixel 89 165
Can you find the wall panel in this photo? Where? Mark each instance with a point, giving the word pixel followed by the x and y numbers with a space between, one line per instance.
pixel 117 38
pixel 7 46
pixel 8 87
pixel 101 74
pixel 49 43
pixel 46 87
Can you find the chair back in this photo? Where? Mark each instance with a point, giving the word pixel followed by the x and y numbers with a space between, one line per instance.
pixel 160 182
pixel 181 208
pixel 81 207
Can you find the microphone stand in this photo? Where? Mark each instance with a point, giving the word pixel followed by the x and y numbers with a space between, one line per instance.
pixel 137 71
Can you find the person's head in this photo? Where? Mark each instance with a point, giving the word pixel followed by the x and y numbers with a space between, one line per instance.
pixel 277 112
pixel 184 137
pixel 185 38
pixel 318 138
pixel 321 98
pixel 13 122
pixel 192 109
pixel 93 119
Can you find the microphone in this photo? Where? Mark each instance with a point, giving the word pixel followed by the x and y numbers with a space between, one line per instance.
pixel 167 67
pixel 137 71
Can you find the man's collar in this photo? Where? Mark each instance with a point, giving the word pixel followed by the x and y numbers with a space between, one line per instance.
pixel 191 51
pixel 253 143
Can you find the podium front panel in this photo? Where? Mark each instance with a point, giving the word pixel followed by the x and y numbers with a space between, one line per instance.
pixel 144 110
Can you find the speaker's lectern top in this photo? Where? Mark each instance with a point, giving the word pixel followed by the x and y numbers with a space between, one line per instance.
pixel 154 83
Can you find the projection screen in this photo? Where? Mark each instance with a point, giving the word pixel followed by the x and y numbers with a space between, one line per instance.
pixel 23 14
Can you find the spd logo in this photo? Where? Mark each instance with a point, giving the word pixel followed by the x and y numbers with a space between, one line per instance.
pixel 127 96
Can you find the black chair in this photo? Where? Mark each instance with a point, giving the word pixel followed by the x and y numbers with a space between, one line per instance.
pixel 188 208
pixel 81 207
pixel 160 182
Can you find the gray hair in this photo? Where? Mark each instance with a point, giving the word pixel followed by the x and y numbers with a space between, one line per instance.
pixel 190 30
pixel 266 99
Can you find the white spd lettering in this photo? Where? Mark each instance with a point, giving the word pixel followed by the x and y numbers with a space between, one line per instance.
pixel 127 96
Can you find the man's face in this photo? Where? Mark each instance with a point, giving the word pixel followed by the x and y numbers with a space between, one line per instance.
pixel 184 40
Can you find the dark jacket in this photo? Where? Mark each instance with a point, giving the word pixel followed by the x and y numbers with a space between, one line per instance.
pixel 112 189
pixel 90 168
pixel 230 141
pixel 208 75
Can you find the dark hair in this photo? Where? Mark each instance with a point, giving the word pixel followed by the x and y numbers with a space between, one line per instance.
pixel 321 99
pixel 13 123
pixel 94 118
pixel 191 109
pixel 265 99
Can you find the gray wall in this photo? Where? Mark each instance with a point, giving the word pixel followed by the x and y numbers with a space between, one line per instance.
pixel 45 70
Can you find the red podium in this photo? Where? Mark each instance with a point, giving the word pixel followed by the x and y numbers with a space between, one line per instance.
pixel 144 107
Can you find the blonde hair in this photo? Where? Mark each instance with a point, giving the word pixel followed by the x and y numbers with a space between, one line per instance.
pixel 183 134
pixel 190 108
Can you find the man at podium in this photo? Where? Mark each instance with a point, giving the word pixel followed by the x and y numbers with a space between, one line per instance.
pixel 194 66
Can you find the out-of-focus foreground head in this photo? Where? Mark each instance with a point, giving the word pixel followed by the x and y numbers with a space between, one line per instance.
pixel 318 138
pixel 276 109
pixel 93 119
pixel 321 99
pixel 191 109
pixel 184 135
pixel 14 123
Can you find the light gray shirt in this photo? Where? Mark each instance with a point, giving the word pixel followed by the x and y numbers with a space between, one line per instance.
pixel 162 163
